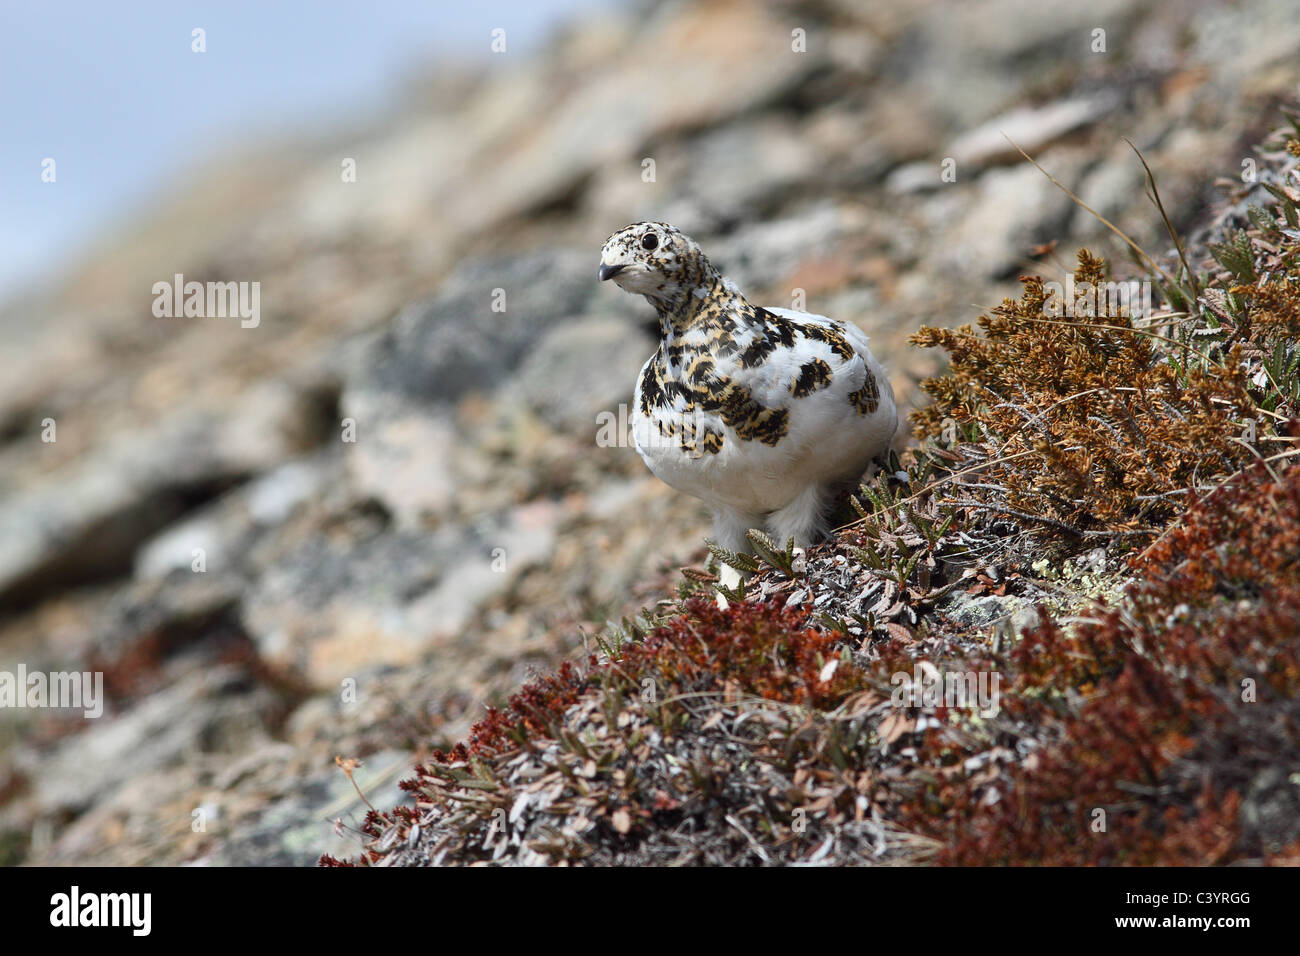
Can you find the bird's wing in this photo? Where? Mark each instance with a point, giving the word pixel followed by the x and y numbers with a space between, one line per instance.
pixel 849 371
pixel 856 338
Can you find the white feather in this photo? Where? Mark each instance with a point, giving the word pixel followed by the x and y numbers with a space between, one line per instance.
pixel 784 488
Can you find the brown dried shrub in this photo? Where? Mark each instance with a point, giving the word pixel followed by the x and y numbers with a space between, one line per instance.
pixel 1085 423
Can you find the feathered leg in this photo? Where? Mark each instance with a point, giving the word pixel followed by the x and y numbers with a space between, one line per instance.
pixel 729 530
pixel 803 519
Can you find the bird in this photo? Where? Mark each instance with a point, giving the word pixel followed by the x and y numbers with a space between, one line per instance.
pixel 764 414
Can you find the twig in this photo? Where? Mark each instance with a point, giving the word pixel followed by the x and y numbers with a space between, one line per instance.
pixel 348 766
pixel 1169 227
pixel 1106 222
pixel 1022 515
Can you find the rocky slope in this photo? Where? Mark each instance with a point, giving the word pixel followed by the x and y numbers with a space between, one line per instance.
pixel 401 496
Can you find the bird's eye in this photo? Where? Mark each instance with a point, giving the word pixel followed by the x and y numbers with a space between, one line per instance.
pixel 649 241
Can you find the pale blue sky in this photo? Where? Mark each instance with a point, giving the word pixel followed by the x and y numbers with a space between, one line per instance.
pixel 112 92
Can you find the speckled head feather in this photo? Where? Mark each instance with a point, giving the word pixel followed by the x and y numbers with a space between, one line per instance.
pixel 660 262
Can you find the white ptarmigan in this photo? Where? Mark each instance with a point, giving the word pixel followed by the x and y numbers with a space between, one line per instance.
pixel 762 413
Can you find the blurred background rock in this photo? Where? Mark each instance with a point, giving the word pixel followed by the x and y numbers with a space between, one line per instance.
pixel 369 597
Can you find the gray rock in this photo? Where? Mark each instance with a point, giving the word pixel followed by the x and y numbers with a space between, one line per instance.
pixel 720 177
pixel 916 177
pixel 406 455
pixel 978 613
pixel 992 46
pixel 1116 189
pixel 630 100
pixel 89 519
pixel 222 530
pixel 206 709
pixel 336 605
pixel 1011 210
pixel 298 828
pixel 163 616
pixel 410 452
pixel 583 369
pixel 1031 129
pixel 1270 810
pixel 758 255
pixel 454 343
pixel 1241 41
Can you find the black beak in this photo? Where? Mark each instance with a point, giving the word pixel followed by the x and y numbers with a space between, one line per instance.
pixel 608 272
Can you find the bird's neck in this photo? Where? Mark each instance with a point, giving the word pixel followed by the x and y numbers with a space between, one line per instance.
pixel 696 302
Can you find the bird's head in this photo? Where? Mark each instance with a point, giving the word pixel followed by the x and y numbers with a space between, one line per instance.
pixel 657 261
